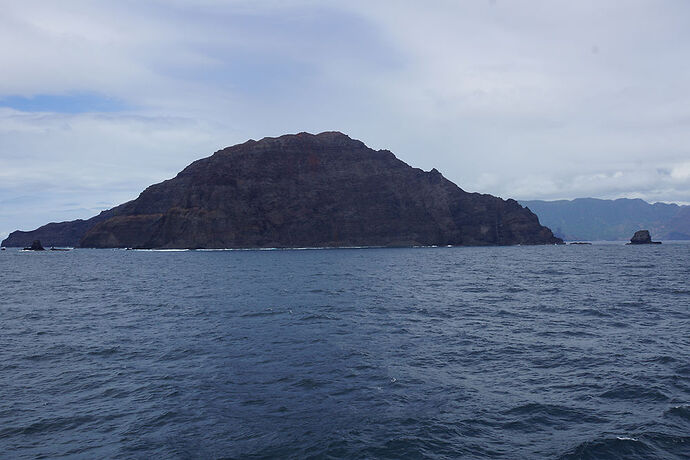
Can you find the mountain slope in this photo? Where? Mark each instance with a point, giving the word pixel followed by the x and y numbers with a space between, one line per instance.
pixel 595 219
pixel 308 190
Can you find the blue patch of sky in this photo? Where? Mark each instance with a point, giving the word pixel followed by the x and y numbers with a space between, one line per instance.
pixel 63 103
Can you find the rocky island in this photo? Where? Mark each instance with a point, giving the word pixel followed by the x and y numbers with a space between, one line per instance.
pixel 301 190
pixel 642 237
pixel 35 246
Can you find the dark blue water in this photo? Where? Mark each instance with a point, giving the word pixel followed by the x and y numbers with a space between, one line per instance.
pixel 515 352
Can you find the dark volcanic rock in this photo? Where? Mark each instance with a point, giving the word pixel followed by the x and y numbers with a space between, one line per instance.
pixel 35 246
pixel 642 237
pixel 310 191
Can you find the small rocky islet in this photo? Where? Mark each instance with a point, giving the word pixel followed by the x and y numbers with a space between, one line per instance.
pixel 301 190
pixel 642 237
pixel 35 246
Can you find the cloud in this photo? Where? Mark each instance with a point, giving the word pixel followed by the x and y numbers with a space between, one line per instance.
pixel 65 166
pixel 681 172
pixel 545 99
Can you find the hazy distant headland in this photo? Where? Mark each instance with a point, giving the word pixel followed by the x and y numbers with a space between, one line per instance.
pixel 300 190
pixel 613 220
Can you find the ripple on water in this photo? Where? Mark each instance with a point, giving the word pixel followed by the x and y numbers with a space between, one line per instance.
pixel 536 417
pixel 527 352
pixel 619 447
pixel 681 412
pixel 632 392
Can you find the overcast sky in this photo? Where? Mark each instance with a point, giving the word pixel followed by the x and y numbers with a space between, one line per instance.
pixel 523 99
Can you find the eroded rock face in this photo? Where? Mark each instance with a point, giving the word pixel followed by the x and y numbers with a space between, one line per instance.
pixel 308 190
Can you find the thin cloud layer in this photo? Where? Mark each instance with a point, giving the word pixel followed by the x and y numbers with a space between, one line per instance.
pixel 535 99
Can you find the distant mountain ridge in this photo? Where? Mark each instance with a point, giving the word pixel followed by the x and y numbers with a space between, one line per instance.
pixel 611 220
pixel 300 190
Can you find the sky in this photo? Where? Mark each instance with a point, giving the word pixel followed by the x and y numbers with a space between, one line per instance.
pixel 524 99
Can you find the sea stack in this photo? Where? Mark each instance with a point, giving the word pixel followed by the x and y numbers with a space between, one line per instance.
pixel 302 190
pixel 643 237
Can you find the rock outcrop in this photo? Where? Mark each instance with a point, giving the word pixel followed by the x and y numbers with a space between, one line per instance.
pixel 35 246
pixel 643 237
pixel 305 190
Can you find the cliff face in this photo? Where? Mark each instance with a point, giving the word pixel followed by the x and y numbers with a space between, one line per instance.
pixel 308 191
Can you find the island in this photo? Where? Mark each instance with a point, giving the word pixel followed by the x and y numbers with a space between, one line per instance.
pixel 35 246
pixel 301 190
pixel 642 237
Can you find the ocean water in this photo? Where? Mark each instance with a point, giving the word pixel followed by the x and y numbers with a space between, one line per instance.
pixel 563 352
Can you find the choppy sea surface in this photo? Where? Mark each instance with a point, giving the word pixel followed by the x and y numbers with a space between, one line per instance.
pixel 563 352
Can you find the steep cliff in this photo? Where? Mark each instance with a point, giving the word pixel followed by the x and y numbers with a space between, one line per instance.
pixel 308 190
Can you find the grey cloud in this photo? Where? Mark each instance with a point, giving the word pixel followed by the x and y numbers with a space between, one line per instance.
pixel 534 99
